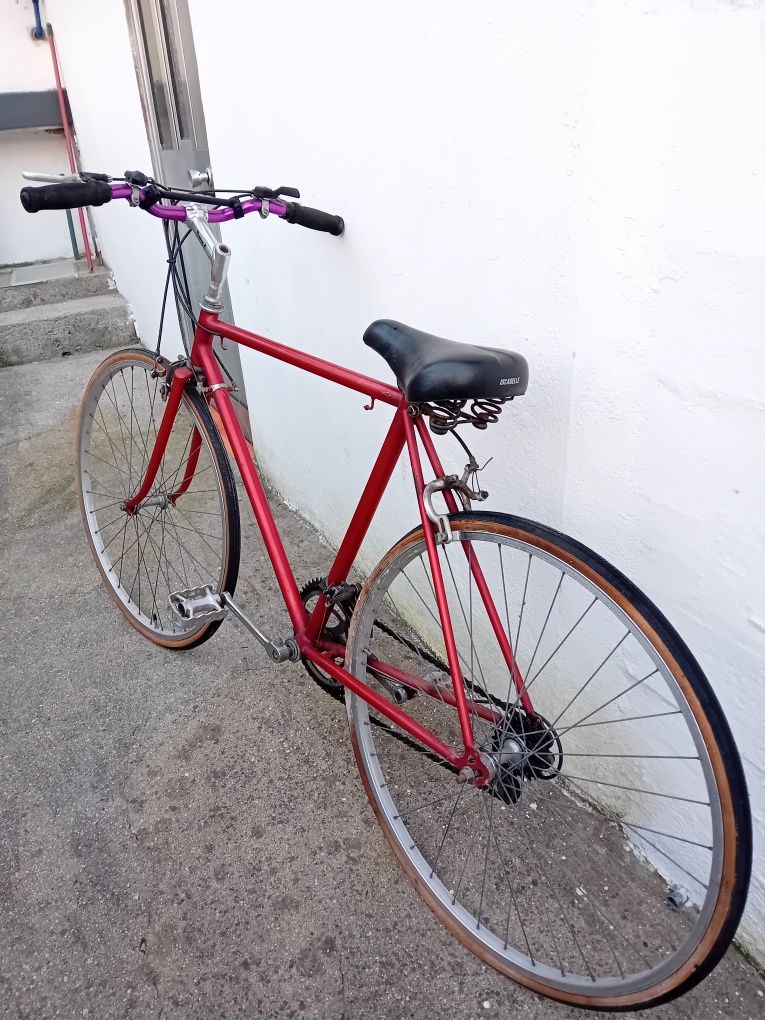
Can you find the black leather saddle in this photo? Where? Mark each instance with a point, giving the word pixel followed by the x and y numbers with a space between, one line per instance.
pixel 429 368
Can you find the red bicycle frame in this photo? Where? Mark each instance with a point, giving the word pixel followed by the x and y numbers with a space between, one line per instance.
pixel 403 431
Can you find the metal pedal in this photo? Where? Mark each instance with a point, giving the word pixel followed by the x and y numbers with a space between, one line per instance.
pixel 193 606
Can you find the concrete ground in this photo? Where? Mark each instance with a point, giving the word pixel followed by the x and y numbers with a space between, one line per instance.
pixel 184 834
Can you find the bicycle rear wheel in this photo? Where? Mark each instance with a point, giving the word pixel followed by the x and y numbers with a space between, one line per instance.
pixel 185 534
pixel 607 863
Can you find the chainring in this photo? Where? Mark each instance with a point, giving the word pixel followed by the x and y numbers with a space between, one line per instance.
pixel 335 630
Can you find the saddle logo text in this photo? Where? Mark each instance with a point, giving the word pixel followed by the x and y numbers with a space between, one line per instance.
pixel 511 381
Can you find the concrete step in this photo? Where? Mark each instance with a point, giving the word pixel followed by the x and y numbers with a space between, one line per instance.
pixel 50 283
pixel 47 331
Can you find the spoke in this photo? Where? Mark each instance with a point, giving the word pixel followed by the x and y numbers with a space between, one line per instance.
pixel 115 520
pixel 217 553
pixel 457 799
pixel 626 718
pixel 646 757
pixel 138 569
pixel 507 618
pixel 544 625
pixel 421 807
pixel 610 701
pixel 592 676
pixel 462 608
pixel 122 425
pixel 513 899
pixel 203 567
pixel 532 862
pixel 133 416
pixel 597 910
pixel 168 562
pixel 116 454
pixel 486 858
pixel 523 606
pixel 104 461
pixel 116 534
pixel 561 643
pixel 677 864
pixel 202 534
pixel 119 576
pixel 667 835
pixel 142 560
pixel 104 506
pixel 170 480
pixel 468 855
pixel 636 789
pixel 106 495
pixel 207 513
pixel 180 551
pixel 432 614
pixel 111 568
pixel 156 582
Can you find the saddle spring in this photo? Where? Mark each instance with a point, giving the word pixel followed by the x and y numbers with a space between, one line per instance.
pixel 446 415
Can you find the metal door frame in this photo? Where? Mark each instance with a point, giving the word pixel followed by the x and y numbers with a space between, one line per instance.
pixel 196 105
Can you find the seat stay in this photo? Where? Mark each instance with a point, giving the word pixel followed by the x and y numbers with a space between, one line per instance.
pixel 503 639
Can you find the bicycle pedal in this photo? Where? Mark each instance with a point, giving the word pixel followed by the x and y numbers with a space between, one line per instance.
pixel 194 605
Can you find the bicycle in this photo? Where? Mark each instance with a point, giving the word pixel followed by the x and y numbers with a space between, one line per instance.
pixel 544 755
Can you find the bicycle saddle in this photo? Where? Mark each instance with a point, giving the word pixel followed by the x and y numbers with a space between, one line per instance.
pixel 430 368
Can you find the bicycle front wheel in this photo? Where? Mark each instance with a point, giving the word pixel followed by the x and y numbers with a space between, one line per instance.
pixel 606 865
pixel 185 534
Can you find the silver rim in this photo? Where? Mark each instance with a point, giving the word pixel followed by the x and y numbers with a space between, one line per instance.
pixel 166 546
pixel 584 884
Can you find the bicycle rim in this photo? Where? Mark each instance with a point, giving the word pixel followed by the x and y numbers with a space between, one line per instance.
pixel 185 534
pixel 557 879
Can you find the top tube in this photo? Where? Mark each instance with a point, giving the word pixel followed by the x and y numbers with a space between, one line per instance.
pixel 178 212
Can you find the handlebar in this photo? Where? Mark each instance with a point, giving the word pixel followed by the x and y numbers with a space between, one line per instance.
pixel 68 195
pixel 75 194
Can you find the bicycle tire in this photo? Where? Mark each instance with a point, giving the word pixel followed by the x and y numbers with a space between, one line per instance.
pixel 726 764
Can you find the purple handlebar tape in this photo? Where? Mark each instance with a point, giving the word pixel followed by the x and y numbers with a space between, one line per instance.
pixel 178 212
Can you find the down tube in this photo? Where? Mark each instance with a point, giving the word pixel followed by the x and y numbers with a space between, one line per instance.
pixel 478 576
pixel 252 484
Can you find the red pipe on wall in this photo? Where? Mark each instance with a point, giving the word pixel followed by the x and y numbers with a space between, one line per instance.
pixel 69 144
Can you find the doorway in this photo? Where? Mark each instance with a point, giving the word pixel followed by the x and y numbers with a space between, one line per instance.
pixel 168 81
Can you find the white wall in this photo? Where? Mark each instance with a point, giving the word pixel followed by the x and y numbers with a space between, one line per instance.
pixel 25 66
pixel 581 181
pixel 25 238
pixel 25 63
pixel 97 67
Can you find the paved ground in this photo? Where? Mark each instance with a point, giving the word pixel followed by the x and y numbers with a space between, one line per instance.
pixel 184 834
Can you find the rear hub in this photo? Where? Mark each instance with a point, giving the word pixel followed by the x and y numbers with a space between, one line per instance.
pixel 523 747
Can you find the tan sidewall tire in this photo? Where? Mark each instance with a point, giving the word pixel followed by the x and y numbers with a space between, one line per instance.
pixel 736 822
pixel 216 447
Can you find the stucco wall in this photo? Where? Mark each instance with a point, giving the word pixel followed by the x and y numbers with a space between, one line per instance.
pixel 580 181
pixel 25 66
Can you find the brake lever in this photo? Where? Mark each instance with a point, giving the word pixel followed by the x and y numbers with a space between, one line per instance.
pixel 262 192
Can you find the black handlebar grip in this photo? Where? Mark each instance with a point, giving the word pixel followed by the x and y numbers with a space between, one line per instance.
pixel 68 195
pixel 314 219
